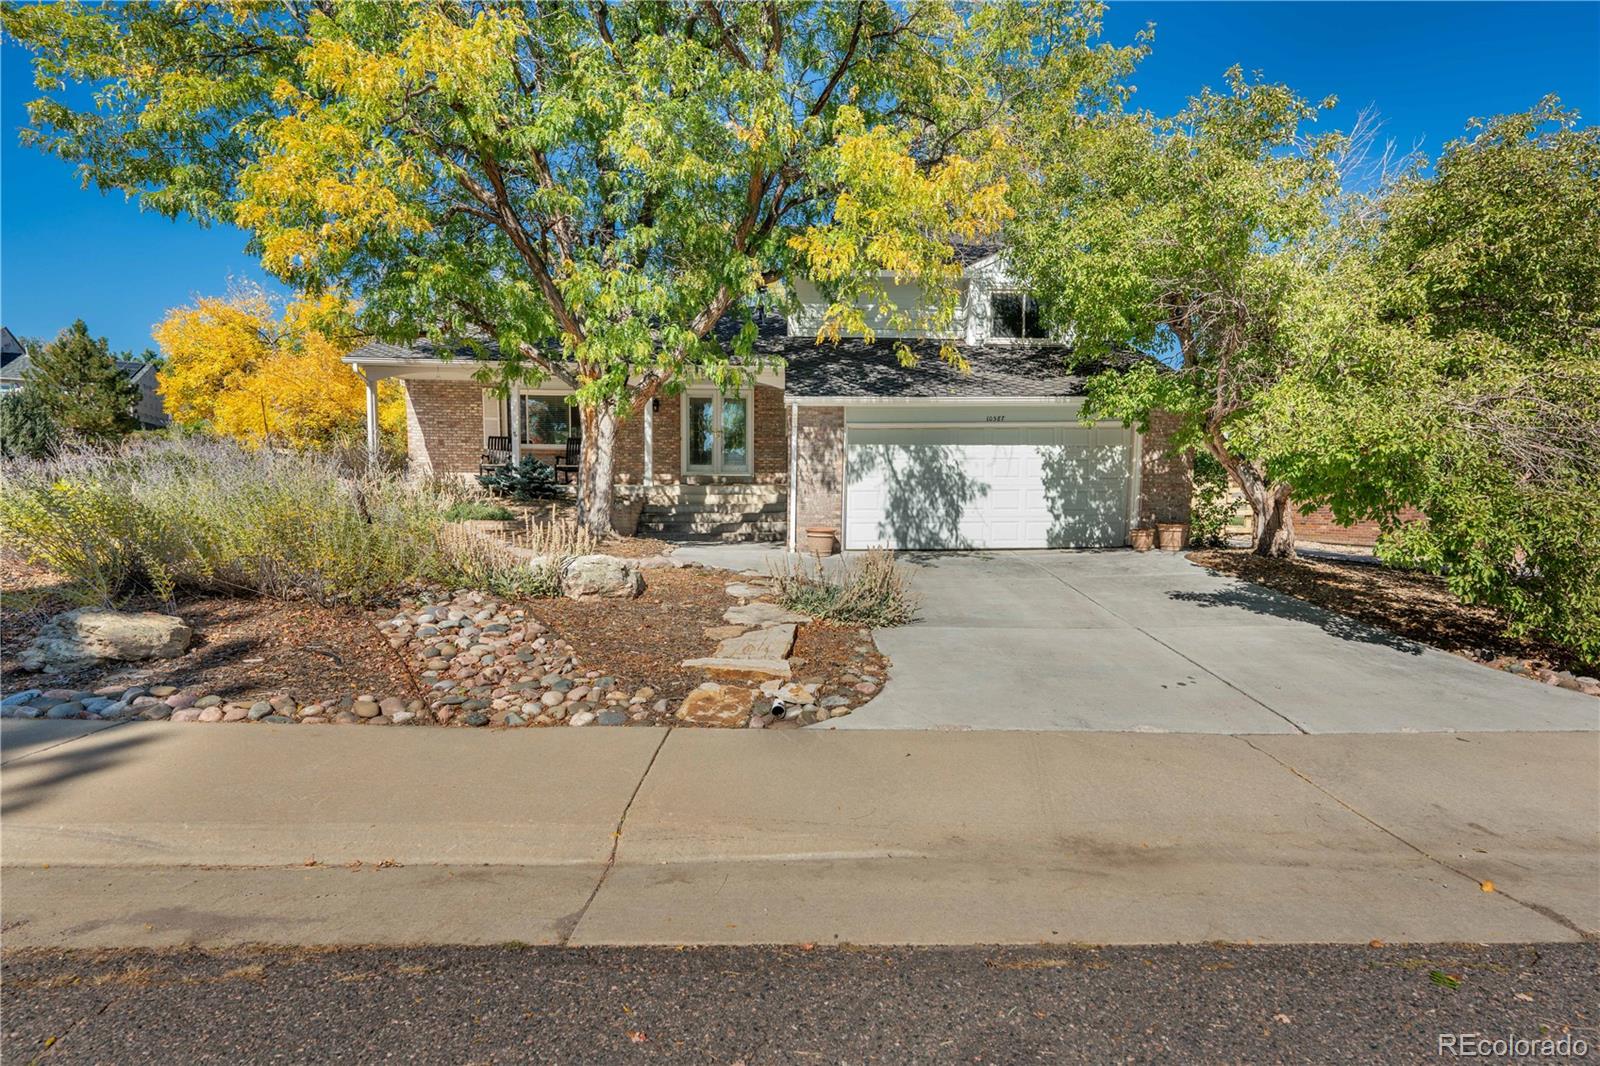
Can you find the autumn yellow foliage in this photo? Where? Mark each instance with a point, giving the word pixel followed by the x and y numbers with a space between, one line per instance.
pixel 244 368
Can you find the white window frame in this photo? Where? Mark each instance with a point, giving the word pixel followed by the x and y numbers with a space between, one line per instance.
pixel 717 469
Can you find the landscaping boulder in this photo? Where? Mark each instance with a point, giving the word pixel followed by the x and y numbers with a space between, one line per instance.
pixel 590 577
pixel 90 633
pixel 717 705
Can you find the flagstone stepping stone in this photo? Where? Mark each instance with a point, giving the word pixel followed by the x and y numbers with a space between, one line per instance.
pixel 762 614
pixel 714 704
pixel 769 642
pixel 741 669
pixel 744 590
pixel 724 632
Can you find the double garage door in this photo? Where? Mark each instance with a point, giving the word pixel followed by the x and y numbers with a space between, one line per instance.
pixel 928 485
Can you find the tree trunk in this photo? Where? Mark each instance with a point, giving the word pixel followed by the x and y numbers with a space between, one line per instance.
pixel 1269 504
pixel 1274 522
pixel 595 463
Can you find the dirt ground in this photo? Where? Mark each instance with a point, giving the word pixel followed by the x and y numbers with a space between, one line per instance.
pixel 1414 605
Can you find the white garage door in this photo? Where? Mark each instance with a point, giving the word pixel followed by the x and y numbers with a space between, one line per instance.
pixel 980 486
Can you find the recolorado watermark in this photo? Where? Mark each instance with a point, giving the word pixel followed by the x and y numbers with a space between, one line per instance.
pixel 1487 1046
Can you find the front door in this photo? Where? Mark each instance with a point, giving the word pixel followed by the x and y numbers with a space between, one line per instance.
pixel 717 433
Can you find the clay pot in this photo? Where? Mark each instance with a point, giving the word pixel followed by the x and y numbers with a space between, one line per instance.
pixel 1172 536
pixel 821 540
pixel 1142 538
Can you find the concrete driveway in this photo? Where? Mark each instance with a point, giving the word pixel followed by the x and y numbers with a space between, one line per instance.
pixel 1119 640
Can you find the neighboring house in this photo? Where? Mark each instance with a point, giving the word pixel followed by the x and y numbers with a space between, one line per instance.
pixel 843 436
pixel 149 410
pixel 13 361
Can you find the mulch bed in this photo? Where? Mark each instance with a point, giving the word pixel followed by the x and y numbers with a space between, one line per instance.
pixel 243 646
pixel 645 639
pixel 252 647
pixel 1417 606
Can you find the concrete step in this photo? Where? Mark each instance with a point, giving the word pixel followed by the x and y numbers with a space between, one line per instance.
pixel 710 526
pixel 677 510
pixel 719 498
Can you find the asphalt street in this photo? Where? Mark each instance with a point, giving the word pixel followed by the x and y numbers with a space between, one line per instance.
pixel 1198 1003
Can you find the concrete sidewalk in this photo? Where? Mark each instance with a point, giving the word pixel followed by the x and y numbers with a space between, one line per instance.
pixel 154 834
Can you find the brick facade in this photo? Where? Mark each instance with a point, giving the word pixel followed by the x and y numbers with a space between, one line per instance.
pixel 770 432
pixel 444 426
pixel 1319 527
pixel 819 463
pixel 1165 484
pixel 444 434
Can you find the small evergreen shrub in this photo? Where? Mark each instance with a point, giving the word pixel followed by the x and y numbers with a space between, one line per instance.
pixel 27 428
pixel 477 511
pixel 529 479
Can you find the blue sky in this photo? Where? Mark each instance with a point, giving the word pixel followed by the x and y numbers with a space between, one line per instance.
pixel 67 252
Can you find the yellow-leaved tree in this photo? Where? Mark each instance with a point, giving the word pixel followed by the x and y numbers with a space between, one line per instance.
pixel 244 367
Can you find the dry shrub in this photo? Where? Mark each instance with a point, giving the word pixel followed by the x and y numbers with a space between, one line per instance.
pixel 872 590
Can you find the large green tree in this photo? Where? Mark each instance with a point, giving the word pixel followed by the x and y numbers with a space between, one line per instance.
pixel 1451 363
pixel 1188 235
pixel 77 379
pixel 594 186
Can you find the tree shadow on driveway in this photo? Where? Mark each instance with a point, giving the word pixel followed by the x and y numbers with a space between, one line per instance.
pixel 1267 603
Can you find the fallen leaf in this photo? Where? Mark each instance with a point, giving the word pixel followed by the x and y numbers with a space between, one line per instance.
pixel 1487 886
pixel 1524 997
pixel 1282 1019
pixel 1375 943
pixel 637 1037
pixel 1444 980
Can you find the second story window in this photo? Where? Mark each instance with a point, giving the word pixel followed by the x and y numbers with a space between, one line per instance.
pixel 1014 315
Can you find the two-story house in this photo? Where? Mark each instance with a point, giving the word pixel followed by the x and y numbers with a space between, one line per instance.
pixel 842 437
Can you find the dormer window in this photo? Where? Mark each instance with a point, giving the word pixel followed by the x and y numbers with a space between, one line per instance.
pixel 1015 316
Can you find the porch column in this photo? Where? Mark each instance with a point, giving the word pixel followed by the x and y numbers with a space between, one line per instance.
pixel 372 415
pixel 649 443
pixel 514 401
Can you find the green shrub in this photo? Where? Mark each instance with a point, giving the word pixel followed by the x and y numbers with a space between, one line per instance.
pixel 477 511
pixel 529 479
pixel 27 428
pixel 196 514
pixel 1211 505
pixel 872 590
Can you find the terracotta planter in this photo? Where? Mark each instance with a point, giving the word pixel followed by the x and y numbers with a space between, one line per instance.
pixel 1142 538
pixel 821 540
pixel 1172 536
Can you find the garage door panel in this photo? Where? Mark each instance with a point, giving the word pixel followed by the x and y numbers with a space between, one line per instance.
pixel 987 487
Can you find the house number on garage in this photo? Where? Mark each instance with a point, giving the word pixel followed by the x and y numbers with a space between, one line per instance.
pixel 994 418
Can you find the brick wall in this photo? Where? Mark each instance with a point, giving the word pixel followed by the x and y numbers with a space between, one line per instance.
pixel 1164 483
pixel 819 468
pixel 770 433
pixel 444 434
pixel 1319 527
pixel 444 426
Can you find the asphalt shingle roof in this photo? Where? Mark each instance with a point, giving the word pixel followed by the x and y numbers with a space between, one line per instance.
pixel 855 368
